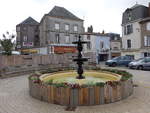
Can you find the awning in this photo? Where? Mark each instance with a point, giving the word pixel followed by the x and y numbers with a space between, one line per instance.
pixel 29 51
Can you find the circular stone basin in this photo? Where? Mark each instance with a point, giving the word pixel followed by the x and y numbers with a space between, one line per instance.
pixel 91 77
pixel 98 87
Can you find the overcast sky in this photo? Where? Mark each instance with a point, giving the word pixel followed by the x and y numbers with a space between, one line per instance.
pixel 102 14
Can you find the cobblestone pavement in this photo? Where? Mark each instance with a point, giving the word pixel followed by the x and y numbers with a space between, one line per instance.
pixel 14 98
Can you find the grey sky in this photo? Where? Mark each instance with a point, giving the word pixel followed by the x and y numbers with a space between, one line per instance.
pixel 102 14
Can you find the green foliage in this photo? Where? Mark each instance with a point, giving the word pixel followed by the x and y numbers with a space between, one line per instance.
pixel 33 78
pixel 60 85
pixel 7 44
pixel 100 84
pixel 49 82
pixel 125 75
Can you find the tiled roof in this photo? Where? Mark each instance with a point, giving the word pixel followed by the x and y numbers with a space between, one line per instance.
pixel 137 5
pixel 29 21
pixel 94 33
pixel 61 12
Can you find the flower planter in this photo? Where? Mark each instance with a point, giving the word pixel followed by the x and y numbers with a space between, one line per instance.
pixel 93 95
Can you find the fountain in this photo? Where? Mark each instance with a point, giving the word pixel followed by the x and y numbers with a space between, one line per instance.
pixel 71 88
pixel 80 60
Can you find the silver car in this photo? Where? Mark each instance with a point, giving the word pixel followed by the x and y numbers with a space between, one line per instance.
pixel 140 64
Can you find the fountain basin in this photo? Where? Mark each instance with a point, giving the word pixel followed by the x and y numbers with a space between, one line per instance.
pixel 107 87
pixel 91 77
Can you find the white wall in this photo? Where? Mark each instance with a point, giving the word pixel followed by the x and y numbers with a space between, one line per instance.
pixel 42 50
pixel 92 40
pixel 135 37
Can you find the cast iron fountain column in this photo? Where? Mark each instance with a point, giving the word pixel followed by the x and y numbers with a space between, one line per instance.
pixel 80 60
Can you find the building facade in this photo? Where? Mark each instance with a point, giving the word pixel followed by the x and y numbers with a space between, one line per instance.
pixel 27 34
pixel 99 44
pixel 135 33
pixel 59 27
pixel 115 44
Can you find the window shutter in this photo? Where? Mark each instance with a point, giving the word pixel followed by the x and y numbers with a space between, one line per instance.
pixel 145 41
pixel 124 30
pixel 148 40
pixel 131 28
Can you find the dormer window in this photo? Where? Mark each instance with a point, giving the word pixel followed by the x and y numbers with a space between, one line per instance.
pixel 129 16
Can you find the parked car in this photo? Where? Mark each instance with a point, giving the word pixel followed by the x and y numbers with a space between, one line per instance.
pixel 13 52
pixel 140 64
pixel 121 60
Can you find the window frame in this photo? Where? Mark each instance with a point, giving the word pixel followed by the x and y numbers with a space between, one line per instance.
pixel 57 38
pixel 147 41
pixel 75 28
pixel 57 27
pixel 148 26
pixel 67 39
pixel 25 38
pixel 128 29
pixel 129 45
pixel 67 28
pixel 89 46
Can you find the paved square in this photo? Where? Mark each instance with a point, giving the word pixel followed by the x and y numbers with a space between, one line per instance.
pixel 15 98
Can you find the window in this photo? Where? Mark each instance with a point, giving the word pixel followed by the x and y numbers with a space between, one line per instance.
pixel 88 37
pixel 148 26
pixel 66 27
pixel 67 39
pixel 101 44
pixel 147 59
pixel 25 38
pixel 131 57
pixel 51 49
pixel 57 38
pixel 18 36
pixel 129 16
pixel 18 29
pixel 88 45
pixel 128 43
pixel 116 38
pixel 24 28
pixel 56 26
pixel 147 41
pixel 75 28
pixel 75 38
pixel 115 48
pixel 128 29
pixel 146 54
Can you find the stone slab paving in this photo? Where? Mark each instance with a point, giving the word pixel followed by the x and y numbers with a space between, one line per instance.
pixel 14 98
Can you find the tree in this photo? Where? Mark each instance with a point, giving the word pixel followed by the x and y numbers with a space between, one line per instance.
pixel 6 43
pixel 103 32
pixel 90 29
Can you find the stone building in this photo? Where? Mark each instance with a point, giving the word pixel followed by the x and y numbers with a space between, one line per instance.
pixel 136 31
pixel 27 34
pixel 115 44
pixel 59 27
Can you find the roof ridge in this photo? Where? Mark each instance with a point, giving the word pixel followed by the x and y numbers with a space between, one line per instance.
pixel 137 5
pixel 62 12
pixel 29 20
